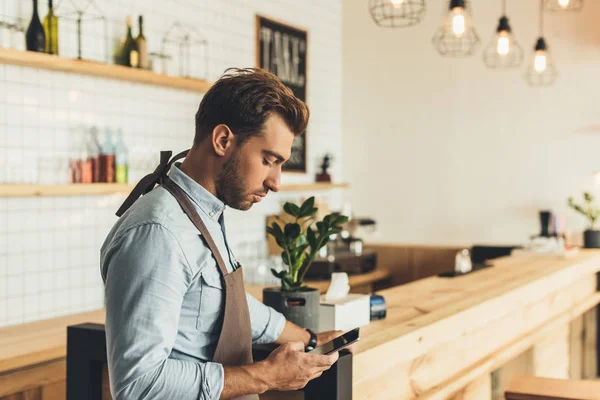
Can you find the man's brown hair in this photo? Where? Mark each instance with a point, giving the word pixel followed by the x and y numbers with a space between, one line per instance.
pixel 243 99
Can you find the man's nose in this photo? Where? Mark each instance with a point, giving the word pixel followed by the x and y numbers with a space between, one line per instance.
pixel 273 182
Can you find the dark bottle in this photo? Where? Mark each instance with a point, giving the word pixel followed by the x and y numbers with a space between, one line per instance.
pixel 35 38
pixel 142 46
pixel 130 54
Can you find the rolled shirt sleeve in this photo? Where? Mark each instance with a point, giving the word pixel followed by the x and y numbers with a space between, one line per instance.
pixel 267 324
pixel 146 277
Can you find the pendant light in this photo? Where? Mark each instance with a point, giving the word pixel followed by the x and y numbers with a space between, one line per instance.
pixel 503 51
pixel 397 13
pixel 563 5
pixel 541 71
pixel 456 37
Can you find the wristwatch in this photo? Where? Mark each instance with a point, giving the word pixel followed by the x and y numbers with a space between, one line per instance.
pixel 312 342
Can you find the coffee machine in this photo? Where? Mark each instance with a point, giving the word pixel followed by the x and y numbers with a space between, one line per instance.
pixel 344 252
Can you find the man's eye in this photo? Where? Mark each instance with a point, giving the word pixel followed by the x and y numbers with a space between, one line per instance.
pixel 266 162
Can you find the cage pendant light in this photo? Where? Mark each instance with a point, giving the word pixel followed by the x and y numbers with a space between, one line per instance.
pixel 397 13
pixel 563 5
pixel 457 36
pixel 503 51
pixel 541 71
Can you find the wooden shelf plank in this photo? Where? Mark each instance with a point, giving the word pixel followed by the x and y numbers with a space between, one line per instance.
pixel 302 187
pixel 83 67
pixel 83 189
pixel 63 190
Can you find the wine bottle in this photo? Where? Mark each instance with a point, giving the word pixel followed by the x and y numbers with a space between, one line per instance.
pixel 107 159
pixel 35 39
pixel 142 46
pixel 121 159
pixel 51 30
pixel 130 54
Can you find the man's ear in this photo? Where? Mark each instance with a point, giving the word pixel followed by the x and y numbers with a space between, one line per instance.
pixel 222 139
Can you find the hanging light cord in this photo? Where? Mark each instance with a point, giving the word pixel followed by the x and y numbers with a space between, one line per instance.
pixel 541 18
pixel 504 8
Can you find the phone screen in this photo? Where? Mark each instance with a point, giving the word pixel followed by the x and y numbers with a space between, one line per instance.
pixel 338 343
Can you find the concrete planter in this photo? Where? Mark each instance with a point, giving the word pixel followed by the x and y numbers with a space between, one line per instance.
pixel 301 308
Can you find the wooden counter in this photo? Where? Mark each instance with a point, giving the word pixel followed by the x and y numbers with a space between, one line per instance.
pixel 37 342
pixel 442 337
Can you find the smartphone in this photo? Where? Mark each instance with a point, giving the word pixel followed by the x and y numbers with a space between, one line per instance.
pixel 338 343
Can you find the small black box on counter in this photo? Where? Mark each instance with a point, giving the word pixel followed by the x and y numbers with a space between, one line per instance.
pixel 378 307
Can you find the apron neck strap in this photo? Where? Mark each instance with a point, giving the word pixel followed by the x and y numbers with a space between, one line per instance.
pixel 183 200
pixel 147 183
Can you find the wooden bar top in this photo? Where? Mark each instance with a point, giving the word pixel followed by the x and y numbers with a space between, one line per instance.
pixel 36 342
pixel 440 333
pixel 432 323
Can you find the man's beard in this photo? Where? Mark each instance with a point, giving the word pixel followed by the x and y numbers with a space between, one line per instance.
pixel 230 186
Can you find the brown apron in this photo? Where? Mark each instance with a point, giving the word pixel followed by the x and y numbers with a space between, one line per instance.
pixel 234 347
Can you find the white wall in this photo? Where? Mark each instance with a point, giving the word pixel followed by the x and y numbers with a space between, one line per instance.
pixel 49 247
pixel 444 151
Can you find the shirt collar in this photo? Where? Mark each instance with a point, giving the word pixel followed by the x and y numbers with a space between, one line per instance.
pixel 206 201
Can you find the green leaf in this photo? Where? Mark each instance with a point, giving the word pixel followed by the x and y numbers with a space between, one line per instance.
pixel 307 207
pixel 333 231
pixel 321 228
pixel 311 238
pixel 341 219
pixel 292 231
pixel 291 209
pixel 277 274
pixel 284 257
pixel 277 233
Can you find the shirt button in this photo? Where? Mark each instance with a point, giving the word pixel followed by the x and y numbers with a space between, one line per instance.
pixel 212 213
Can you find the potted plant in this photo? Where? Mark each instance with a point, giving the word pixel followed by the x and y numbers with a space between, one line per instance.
pixel 591 236
pixel 300 240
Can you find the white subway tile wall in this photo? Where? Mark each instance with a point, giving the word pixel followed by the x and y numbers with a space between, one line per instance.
pixel 49 246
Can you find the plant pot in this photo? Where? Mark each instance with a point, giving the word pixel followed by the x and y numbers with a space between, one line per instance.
pixel 301 308
pixel 591 239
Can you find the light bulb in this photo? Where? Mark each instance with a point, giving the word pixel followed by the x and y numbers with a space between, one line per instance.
pixel 458 21
pixel 503 43
pixel 540 63
pixel 563 3
pixel 397 3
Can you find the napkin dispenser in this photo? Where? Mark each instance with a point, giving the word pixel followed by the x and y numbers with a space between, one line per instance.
pixel 340 310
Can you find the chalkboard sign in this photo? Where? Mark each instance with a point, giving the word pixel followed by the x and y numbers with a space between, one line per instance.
pixel 281 49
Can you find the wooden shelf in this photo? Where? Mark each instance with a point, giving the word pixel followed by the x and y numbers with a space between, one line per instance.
pixel 303 187
pixel 83 67
pixel 63 190
pixel 83 189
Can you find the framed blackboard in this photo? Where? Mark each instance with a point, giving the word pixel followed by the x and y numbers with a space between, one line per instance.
pixel 281 49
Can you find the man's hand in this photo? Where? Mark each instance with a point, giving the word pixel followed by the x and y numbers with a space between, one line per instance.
pixel 328 336
pixel 294 333
pixel 290 368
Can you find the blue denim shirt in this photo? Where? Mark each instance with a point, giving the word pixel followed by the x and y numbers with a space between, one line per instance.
pixel 165 299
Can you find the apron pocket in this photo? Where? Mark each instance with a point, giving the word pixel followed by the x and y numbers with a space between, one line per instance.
pixel 212 303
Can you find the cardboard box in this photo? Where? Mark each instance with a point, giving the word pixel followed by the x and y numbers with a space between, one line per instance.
pixel 348 313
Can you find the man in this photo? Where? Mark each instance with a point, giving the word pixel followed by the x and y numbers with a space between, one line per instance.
pixel 179 324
